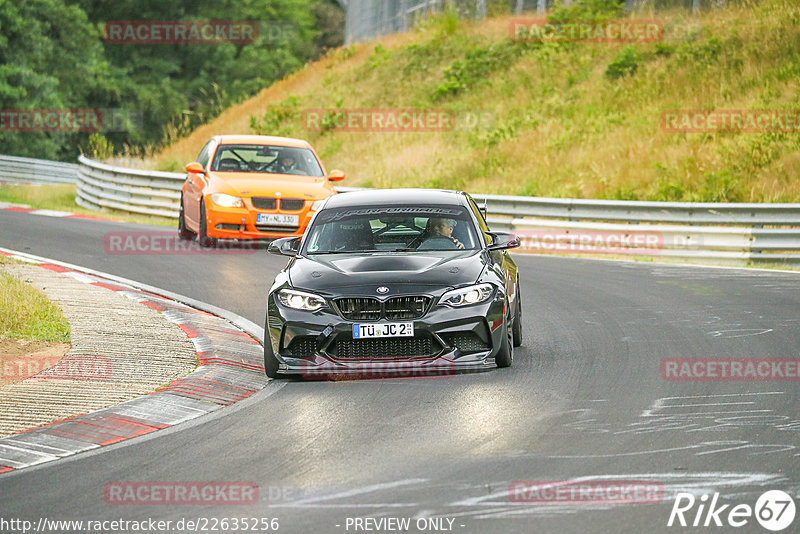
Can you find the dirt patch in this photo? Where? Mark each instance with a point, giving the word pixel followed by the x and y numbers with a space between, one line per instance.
pixel 24 358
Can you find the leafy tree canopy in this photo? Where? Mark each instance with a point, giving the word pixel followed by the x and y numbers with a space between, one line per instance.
pixel 54 55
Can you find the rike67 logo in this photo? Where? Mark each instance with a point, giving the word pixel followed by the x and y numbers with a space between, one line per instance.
pixel 774 511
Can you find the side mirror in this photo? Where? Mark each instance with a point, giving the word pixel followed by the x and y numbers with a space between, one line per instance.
pixel 285 246
pixel 195 168
pixel 336 175
pixel 503 240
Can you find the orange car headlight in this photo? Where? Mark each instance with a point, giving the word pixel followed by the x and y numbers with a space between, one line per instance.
pixel 316 205
pixel 226 201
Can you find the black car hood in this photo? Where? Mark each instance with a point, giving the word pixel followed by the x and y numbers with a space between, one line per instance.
pixel 329 272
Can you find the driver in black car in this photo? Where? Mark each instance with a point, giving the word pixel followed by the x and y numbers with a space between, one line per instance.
pixel 439 228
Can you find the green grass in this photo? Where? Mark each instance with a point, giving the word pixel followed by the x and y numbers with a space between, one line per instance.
pixel 61 197
pixel 564 120
pixel 25 313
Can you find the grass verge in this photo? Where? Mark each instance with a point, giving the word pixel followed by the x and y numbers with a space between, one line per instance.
pixel 61 197
pixel 25 313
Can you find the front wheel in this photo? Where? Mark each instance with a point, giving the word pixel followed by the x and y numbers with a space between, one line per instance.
pixel 202 236
pixel 270 361
pixel 183 231
pixel 505 356
pixel 516 328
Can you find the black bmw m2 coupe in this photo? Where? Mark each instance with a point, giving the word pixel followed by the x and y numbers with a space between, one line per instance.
pixel 400 282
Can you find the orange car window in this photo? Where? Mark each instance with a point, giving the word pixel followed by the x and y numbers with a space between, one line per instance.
pixel 266 159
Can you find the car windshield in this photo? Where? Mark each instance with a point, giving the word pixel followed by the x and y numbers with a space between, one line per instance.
pixel 391 229
pixel 266 159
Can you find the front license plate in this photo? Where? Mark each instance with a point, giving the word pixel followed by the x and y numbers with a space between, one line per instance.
pixel 361 331
pixel 278 219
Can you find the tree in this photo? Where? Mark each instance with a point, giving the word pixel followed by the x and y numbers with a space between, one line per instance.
pixel 50 57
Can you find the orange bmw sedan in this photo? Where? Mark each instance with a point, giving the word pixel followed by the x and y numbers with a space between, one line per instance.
pixel 252 187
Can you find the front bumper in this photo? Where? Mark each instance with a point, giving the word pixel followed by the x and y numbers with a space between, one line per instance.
pixel 447 340
pixel 240 223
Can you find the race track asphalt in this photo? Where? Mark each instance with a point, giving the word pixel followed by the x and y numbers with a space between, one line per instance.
pixel 585 399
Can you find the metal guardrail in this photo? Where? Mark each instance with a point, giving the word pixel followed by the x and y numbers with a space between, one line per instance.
pixel 635 211
pixel 41 171
pixel 734 245
pixel 729 233
pixel 718 232
pixel 131 190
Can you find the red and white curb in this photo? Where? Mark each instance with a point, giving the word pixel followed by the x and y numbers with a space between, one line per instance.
pixel 231 369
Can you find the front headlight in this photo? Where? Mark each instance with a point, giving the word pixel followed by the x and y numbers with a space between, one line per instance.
pixel 300 300
pixel 316 205
pixel 226 201
pixel 466 296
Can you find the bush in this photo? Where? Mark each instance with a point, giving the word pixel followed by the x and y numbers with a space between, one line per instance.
pixel 274 120
pixel 99 147
pixel 477 65
pixel 589 10
pixel 624 64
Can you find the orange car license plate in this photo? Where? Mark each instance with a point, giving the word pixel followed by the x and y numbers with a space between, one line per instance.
pixel 278 219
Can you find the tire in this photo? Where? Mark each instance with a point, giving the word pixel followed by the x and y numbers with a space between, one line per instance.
pixel 505 356
pixel 202 235
pixel 183 231
pixel 270 361
pixel 516 326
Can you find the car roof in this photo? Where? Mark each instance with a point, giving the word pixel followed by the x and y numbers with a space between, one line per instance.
pixel 396 196
pixel 261 140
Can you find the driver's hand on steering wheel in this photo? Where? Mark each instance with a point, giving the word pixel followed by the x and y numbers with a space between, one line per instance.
pixel 458 243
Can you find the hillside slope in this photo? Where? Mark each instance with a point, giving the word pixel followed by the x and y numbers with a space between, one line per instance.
pixel 564 120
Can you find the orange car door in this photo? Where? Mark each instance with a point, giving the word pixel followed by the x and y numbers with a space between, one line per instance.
pixel 195 185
